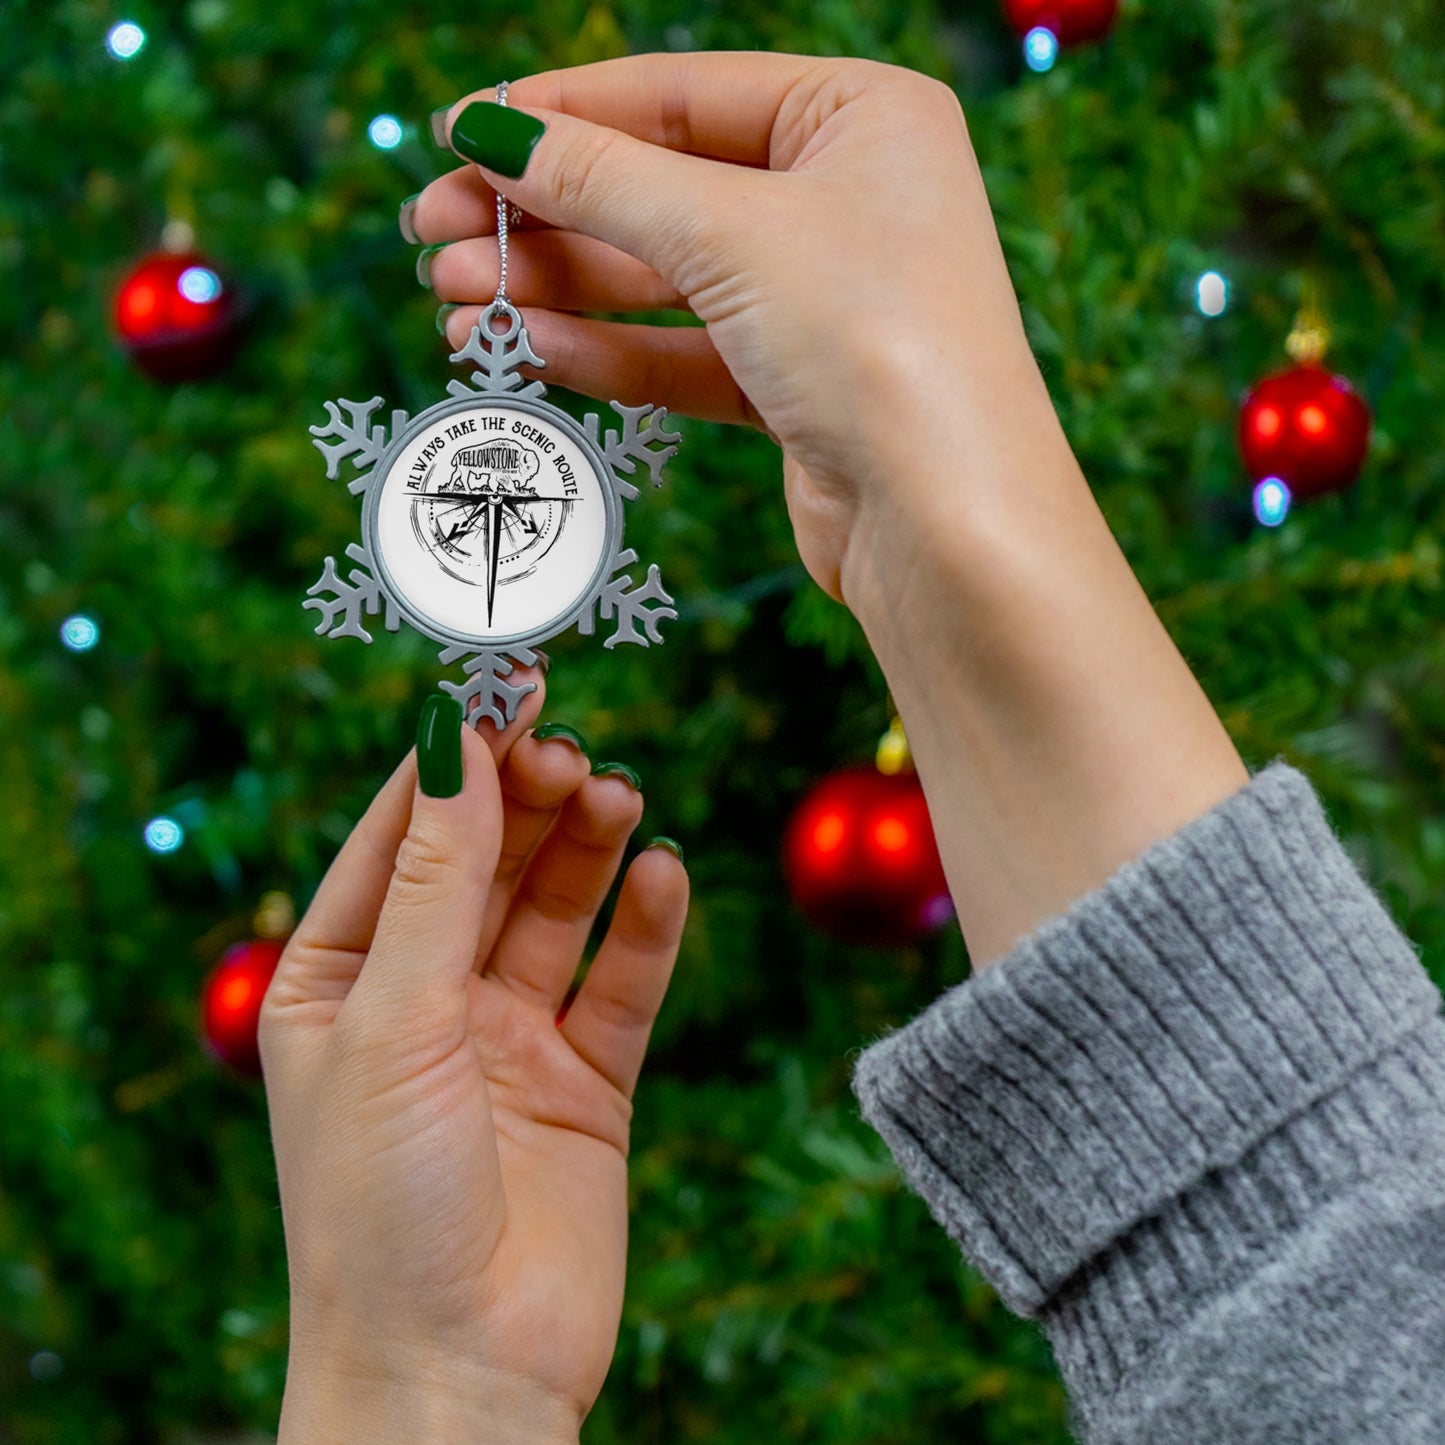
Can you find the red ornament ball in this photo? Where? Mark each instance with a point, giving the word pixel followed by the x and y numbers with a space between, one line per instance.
pixel 1307 427
pixel 176 317
pixel 861 860
pixel 1072 22
pixel 231 1003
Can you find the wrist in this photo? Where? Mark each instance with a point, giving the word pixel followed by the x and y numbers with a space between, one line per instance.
pixel 411 1398
pixel 956 472
pixel 1057 730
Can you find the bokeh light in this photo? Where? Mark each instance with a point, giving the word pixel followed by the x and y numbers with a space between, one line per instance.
pixel 126 40
pixel 1271 502
pixel 164 835
pixel 1211 294
pixel 199 284
pixel 80 633
pixel 385 132
pixel 1041 48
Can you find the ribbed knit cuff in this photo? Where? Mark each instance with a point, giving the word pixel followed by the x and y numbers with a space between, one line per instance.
pixel 1223 983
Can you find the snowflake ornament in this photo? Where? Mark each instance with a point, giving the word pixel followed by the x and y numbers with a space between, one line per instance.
pixel 492 521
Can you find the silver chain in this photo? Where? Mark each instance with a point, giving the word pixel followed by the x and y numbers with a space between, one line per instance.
pixel 501 299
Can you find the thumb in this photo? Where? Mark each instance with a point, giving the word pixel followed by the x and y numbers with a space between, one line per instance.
pixel 425 942
pixel 653 203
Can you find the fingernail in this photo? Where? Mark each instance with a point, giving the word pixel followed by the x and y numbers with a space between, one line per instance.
pixel 404 219
pixel 561 730
pixel 496 136
pixel 543 660
pixel 618 770
pixel 671 844
pixel 439 125
pixel 423 263
pixel 439 747
pixel 443 312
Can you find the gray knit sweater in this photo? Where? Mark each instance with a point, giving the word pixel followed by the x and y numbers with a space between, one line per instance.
pixel 1196 1127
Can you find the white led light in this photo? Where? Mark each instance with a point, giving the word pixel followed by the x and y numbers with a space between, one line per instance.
pixel 79 633
pixel 199 284
pixel 1271 502
pixel 1041 48
pixel 164 835
pixel 1211 293
pixel 126 40
pixel 385 132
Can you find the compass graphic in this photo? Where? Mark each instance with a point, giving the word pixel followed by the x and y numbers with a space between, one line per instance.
pixel 489 518
pixel 493 521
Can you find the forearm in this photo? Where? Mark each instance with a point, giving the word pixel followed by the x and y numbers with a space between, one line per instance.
pixel 1056 728
pixel 408 1402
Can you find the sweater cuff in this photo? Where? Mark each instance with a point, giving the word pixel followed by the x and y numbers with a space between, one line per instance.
pixel 1225 981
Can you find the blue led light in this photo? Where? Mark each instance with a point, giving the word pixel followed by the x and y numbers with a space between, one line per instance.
pixel 199 284
pixel 164 835
pixel 80 633
pixel 385 132
pixel 126 40
pixel 1211 294
pixel 1041 48
pixel 1271 502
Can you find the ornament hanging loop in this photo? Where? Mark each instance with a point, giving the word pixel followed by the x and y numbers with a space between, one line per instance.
pixel 502 310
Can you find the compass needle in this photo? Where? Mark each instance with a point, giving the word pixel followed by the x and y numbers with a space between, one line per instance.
pixel 494 548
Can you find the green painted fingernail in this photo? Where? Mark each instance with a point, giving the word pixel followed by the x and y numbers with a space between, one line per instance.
pixel 439 125
pixel 423 262
pixel 439 746
pixel 443 311
pixel 561 730
pixel 496 136
pixel 617 770
pixel 404 219
pixel 671 844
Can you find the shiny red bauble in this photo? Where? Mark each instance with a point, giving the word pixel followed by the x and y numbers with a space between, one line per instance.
pixel 1307 427
pixel 1073 22
pixel 231 1003
pixel 861 861
pixel 176 317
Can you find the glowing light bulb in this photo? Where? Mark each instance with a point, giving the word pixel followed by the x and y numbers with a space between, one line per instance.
pixel 385 132
pixel 126 40
pixel 1211 294
pixel 164 835
pixel 1271 502
pixel 1041 48
pixel 199 284
pixel 80 633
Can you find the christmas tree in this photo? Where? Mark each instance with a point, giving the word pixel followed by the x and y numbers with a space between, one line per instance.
pixel 178 744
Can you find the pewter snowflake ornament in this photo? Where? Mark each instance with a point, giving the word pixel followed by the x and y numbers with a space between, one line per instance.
pixel 492 521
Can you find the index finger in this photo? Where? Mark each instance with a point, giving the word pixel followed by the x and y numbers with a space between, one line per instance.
pixel 724 105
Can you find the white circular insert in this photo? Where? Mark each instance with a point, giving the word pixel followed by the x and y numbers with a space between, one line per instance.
pixel 492 523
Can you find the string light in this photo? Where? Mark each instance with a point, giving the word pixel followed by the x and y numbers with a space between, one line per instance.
pixel 126 40
pixel 385 132
pixel 164 835
pixel 199 284
pixel 80 633
pixel 1271 502
pixel 1211 294
pixel 1041 48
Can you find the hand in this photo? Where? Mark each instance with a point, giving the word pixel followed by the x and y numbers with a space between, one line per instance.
pixel 451 1157
pixel 826 219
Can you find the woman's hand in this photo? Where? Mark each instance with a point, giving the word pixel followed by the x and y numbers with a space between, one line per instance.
pixel 825 218
pixel 452 1157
